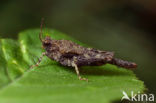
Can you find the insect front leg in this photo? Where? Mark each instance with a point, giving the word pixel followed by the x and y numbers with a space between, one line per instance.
pixel 39 61
pixel 77 71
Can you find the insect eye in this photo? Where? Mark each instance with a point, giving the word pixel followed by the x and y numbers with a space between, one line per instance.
pixel 46 43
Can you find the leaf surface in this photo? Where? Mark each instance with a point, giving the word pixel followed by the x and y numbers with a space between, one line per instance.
pixel 51 82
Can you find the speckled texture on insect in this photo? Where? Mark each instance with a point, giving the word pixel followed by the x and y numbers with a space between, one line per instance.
pixel 71 54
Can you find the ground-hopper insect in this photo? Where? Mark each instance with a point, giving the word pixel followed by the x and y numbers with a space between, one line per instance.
pixel 73 55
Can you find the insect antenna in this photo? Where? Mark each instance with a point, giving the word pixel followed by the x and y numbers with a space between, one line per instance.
pixel 41 34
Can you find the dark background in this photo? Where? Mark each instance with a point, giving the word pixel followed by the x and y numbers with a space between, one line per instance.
pixel 124 26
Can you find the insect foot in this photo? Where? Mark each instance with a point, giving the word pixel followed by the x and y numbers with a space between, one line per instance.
pixel 31 67
pixel 80 78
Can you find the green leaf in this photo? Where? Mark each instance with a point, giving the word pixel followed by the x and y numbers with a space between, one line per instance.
pixel 51 82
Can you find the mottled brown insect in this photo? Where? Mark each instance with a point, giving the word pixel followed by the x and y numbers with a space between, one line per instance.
pixel 71 54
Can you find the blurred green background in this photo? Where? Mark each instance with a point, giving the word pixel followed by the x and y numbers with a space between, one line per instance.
pixel 125 27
